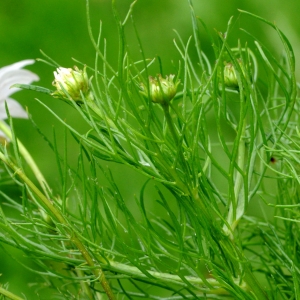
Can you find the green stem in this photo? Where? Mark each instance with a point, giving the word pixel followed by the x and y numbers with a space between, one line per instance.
pixel 236 210
pixel 9 295
pixel 169 120
pixel 171 170
pixel 253 285
pixel 28 158
pixel 84 284
pixel 92 105
pixel 233 217
pixel 175 279
pixel 192 192
pixel 56 214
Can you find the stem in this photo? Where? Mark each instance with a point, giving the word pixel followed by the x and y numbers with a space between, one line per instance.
pixel 56 214
pixel 174 134
pixel 170 123
pixel 92 105
pixel 250 282
pixel 9 295
pixel 236 210
pixel 233 218
pixel 191 191
pixel 31 163
pixel 175 279
pixel 28 158
pixel 84 285
pixel 253 285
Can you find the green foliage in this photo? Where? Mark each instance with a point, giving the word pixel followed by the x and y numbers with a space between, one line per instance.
pixel 214 154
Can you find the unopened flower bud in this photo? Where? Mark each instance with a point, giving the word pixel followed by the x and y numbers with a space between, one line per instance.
pixel 71 83
pixel 230 76
pixel 162 90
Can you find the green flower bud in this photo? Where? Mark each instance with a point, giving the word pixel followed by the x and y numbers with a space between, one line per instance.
pixel 162 90
pixel 70 83
pixel 230 77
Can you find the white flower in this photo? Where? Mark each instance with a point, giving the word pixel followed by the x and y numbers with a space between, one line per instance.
pixel 10 75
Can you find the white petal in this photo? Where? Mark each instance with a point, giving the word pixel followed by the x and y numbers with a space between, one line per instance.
pixel 17 66
pixel 18 76
pixel 12 74
pixel 15 109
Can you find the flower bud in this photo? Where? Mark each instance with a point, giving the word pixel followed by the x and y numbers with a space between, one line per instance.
pixel 70 83
pixel 230 76
pixel 162 90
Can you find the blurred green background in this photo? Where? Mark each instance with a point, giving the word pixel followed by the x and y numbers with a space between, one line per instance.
pixel 59 28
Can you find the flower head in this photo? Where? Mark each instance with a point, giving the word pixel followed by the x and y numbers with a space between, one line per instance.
pixel 71 83
pixel 230 75
pixel 162 90
pixel 10 75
